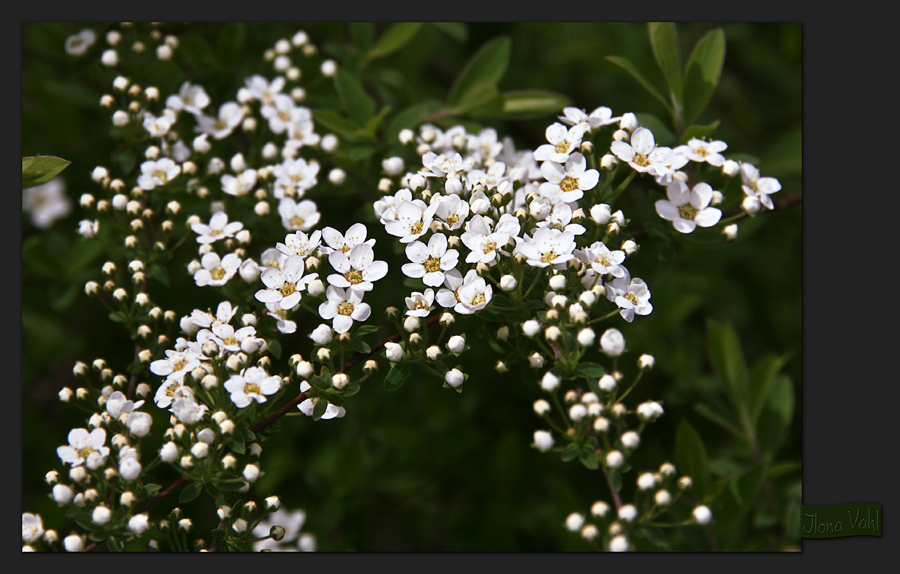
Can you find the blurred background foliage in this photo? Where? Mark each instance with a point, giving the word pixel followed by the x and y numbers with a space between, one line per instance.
pixel 424 469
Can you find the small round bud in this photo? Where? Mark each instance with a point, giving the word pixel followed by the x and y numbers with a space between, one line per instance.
pixel 552 333
pixel 614 459
pixel 751 205
pixel 411 324
pixel 456 344
pixel 328 68
pixel 628 513
pixel 541 407
pixel 731 168
pixel 543 440
pixel 446 319
pixel 393 351
pixel 586 337
pixel 454 378
pixel 558 282
pixel 631 439
pixel 73 543
pixel 608 162
pixel 531 328
pixel 646 362
pixel 251 472
pixel 685 483
pixel 730 232
pixel 549 381
pixel 646 481
pixel 508 282
pixel 599 508
pixel 702 514
pixel 618 543
pixel 612 342
pixel 339 381
pixel 662 498
pixel 574 522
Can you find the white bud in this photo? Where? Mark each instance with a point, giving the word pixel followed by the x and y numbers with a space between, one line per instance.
pixel 586 337
pixel 393 165
pixel 646 362
pixel 599 508
pixel 543 440
pixel 531 328
pixel 730 232
pixel 702 514
pixel 628 513
pixel 574 522
pixel 62 494
pixel 406 136
pixel 454 377
pixel 629 247
pixel 251 472
pixel 614 459
pixel 631 439
pixel 731 168
pixel 577 412
pixel 322 334
pixel 101 515
pixel 541 407
pixel 612 342
pixel 558 282
pixel 549 381
pixel 329 68
pixel 646 481
pixel 608 161
pixel 662 497
pixel 507 282
pixel 751 205
pixel 339 381
pixel 393 352
pixel 73 543
pixel 456 344
pixel 600 214
pixel 552 333
pixel 410 324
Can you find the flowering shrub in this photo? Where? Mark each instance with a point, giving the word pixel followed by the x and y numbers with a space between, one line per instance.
pixel 275 246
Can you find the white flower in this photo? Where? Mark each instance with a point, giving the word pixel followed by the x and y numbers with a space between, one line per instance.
pixel 413 218
pixel 563 141
pixel 355 235
pixel 190 98
pixel 46 203
pixel 474 294
pixel 568 184
pixel 32 527
pixel 252 384
pixel 758 187
pixel 357 268
pixel 284 286
pixel 157 126
pixel 88 228
pixel 117 404
pixel 156 173
pixel 649 410
pixel 301 216
pixel 560 217
pixel 484 242
pixel 543 440
pixel 451 212
pixel 419 304
pixel 344 307
pixel 218 228
pixel 78 44
pixel 230 116
pixel 631 295
pixel 299 244
pixel 82 445
pixel 215 271
pixel 294 176
pixel 454 378
pixel 688 209
pixel 599 258
pixel 139 523
pixel 240 185
pixel 699 150
pixel 307 406
pixel 548 247
pixel 186 409
pixel 601 116
pixel 643 154
pixel 429 263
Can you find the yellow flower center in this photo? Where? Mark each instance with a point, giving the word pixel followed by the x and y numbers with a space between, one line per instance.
pixel 562 147
pixel 345 308
pixel 296 221
pixel 548 257
pixel 568 184
pixel 287 289
pixel 478 299
pixel 354 276
pixel 432 264
pixel 416 228
pixel 452 219
pixel 85 452
pixel 489 246
pixel 688 211
pixel 218 273
pixel 641 159
pixel 251 389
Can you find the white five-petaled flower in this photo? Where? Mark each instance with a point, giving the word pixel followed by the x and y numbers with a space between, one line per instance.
pixel 230 116
pixel 84 446
pixel 218 228
pixel 156 173
pixel 253 384
pixel 344 307
pixel 301 216
pixel 451 212
pixel 240 184
pixel 308 405
pixel 335 241
pixel 758 187
pixel 568 184
pixel 631 295
pixel 643 154
pixel 601 116
pixel 78 44
pixel 190 98
pixel 430 262
pixel 299 244
pixel 32 527
pixel 548 246
pixel 175 366
pixel 117 404
pixel 687 209
pixel 230 340
pixel 599 258
pixel 474 294
pixel 700 151
pixel 293 177
pixel 284 286
pixel 484 242
pixel 563 141
pixel 215 271
pixel 356 268
pixel 47 203
pixel 419 304
pixel 413 219
pixel 560 217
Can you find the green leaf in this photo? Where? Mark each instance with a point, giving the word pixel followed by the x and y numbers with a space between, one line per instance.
pixel 364 330
pixel 150 489
pixel 372 125
pixel 396 376
pixel 319 409
pixel 655 536
pixel 230 484
pixel 571 452
pixel 357 104
pixel 351 390
pixel 40 169
pixel 664 40
pixel 482 98
pixel 219 534
pixel 235 443
pixel 776 417
pixel 456 30
pixel 274 347
pixel 114 544
pixel 589 457
pixel 702 72
pixel 626 65
pixel 487 65
pixel 699 132
pixel 762 376
pixel 735 502
pixel 725 353
pixel 528 104
pixel 360 346
pixel 231 39
pixel 707 412
pixel 393 39
pixel 591 370
pixel 661 132
pixel 691 456
pixel 337 123
pixel 362 33
pixel 190 492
